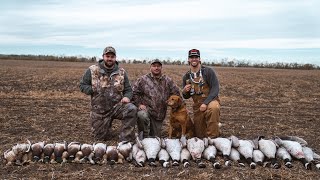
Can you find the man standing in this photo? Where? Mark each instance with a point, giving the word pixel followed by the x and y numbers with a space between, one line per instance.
pixel 150 93
pixel 110 91
pixel 201 83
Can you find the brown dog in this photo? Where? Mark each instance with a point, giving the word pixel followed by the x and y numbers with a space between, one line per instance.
pixel 180 122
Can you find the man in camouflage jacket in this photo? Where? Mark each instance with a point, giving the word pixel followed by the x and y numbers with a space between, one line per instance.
pixel 110 91
pixel 150 93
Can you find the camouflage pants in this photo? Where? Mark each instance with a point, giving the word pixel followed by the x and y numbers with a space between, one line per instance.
pixel 101 123
pixel 147 125
pixel 207 123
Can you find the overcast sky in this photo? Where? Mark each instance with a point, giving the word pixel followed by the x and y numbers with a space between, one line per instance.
pixel 256 30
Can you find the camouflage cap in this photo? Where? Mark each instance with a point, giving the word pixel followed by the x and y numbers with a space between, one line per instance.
pixel 156 61
pixel 109 49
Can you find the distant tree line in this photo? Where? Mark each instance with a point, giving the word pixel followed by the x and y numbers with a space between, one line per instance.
pixel 47 58
pixel 222 62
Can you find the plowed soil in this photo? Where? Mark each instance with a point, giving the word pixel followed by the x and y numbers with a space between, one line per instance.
pixel 41 101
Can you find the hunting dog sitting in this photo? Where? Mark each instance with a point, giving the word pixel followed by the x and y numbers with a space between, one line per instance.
pixel 180 122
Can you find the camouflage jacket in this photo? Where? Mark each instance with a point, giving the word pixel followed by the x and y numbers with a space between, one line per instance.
pixel 153 93
pixel 210 86
pixel 106 87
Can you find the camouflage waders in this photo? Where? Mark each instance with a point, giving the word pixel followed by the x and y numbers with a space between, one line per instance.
pixel 106 105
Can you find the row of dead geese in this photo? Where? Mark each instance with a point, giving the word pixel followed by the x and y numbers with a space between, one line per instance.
pixel 261 151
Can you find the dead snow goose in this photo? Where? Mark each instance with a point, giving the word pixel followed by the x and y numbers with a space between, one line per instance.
pixel 164 157
pixel 173 147
pixel 185 157
pixel 269 148
pixel 294 148
pixel 235 156
pixel 258 157
pixel 311 156
pixel 245 148
pixel 224 146
pixel 283 154
pixel 151 146
pixel 196 147
pixel 138 155
pixel 210 153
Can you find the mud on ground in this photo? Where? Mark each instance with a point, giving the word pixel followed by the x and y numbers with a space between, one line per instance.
pixel 41 101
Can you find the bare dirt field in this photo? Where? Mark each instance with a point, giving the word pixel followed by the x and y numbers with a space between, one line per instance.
pixel 41 101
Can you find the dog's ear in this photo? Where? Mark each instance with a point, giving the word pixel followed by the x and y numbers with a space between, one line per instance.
pixel 179 102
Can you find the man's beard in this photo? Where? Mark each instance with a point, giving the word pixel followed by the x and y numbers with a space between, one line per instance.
pixel 109 64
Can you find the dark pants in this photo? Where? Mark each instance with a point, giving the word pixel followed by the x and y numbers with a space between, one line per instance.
pixel 147 125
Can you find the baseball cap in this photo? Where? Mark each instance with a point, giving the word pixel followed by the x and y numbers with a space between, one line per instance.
pixel 156 61
pixel 109 49
pixel 194 52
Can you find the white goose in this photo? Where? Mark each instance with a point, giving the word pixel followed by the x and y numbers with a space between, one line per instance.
pixel 235 156
pixel 164 157
pixel 151 146
pixel 311 156
pixel 245 148
pixel 185 157
pixel 196 147
pixel 224 146
pixel 258 157
pixel 138 155
pixel 210 153
pixel 283 154
pixel 173 147
pixel 294 148
pixel 269 149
